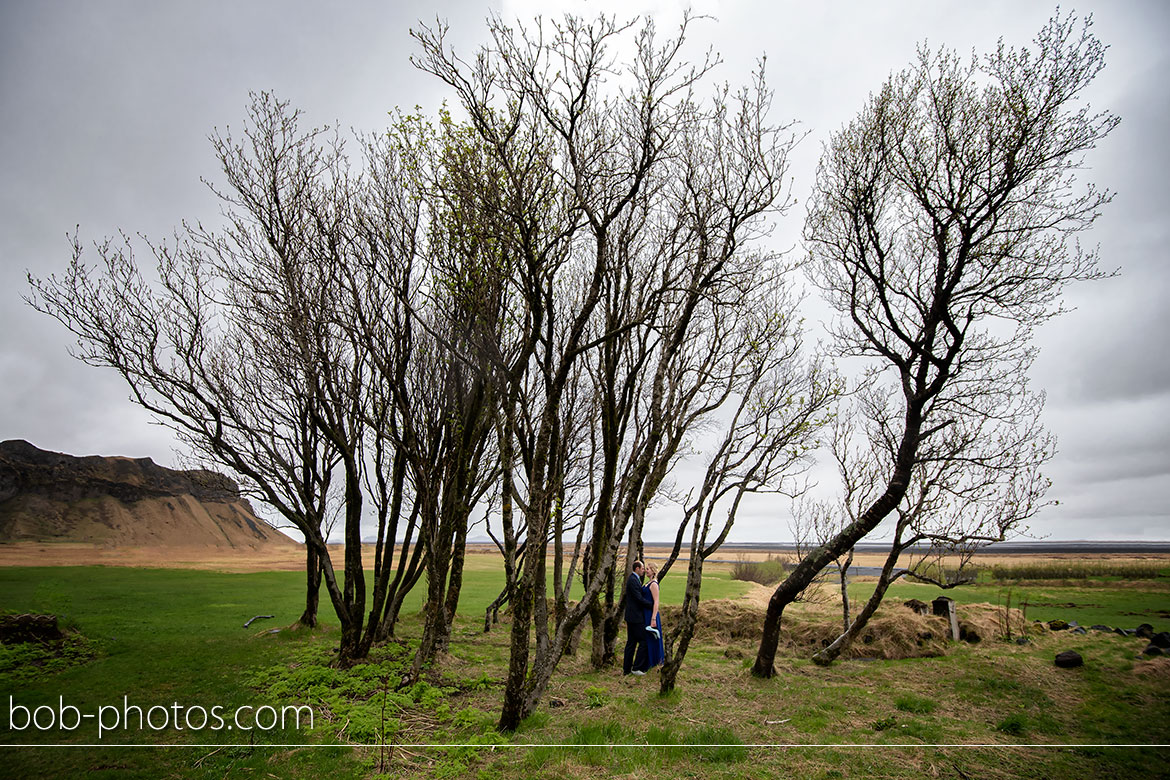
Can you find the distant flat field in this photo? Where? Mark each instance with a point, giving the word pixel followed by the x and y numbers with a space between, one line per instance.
pixel 215 558
pixel 177 557
pixel 483 556
pixel 876 559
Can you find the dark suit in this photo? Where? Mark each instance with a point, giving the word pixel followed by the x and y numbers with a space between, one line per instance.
pixel 636 603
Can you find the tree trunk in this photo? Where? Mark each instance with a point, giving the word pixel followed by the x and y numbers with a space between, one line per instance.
pixel 597 618
pixel 613 615
pixel 813 563
pixel 491 615
pixel 455 579
pixel 435 628
pixel 686 628
pixel 829 654
pixel 575 639
pixel 354 597
pixel 350 619
pixel 844 599
pixel 312 587
pixel 612 627
pixel 405 578
pixel 841 644
pixel 350 650
pixel 770 640
pixel 514 709
pixel 343 606
pixel 384 550
pixel 844 576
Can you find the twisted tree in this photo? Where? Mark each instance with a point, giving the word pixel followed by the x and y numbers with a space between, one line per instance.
pixel 941 230
pixel 975 483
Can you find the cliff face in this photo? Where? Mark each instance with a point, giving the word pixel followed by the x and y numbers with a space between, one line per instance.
pixel 50 496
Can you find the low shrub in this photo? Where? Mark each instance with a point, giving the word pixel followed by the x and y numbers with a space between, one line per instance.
pixel 932 571
pixel 1077 570
pixel 765 572
pixel 595 696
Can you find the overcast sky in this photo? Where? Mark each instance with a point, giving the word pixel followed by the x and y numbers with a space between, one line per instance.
pixel 106 107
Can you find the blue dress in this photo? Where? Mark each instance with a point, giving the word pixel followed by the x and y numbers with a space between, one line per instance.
pixel 655 648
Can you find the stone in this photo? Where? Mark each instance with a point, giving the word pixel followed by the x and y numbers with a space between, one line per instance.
pixel 921 607
pixel 1069 659
pixel 1058 625
pixel 968 633
pixel 1153 649
pixel 1161 639
pixel 1100 627
pixel 1079 630
pixel 1145 631
pixel 1023 640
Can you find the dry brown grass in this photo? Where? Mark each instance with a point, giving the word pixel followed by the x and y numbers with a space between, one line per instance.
pixel 1154 668
pixel 894 632
pixel 283 558
pixel 480 556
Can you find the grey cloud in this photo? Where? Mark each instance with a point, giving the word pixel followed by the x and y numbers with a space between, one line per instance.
pixel 107 107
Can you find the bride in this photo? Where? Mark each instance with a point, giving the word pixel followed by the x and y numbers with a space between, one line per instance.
pixel 654 644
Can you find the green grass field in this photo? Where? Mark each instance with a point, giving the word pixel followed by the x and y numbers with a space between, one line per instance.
pixel 1108 603
pixel 159 637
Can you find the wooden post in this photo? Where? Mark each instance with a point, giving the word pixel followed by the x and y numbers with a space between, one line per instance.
pixel 946 607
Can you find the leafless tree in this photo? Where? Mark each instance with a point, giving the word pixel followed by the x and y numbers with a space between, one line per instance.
pixel 975 483
pixel 662 382
pixel 941 230
pixel 815 521
pixel 229 347
pixel 426 295
pixel 388 219
pixel 256 342
pixel 564 165
pixel 605 169
pixel 778 405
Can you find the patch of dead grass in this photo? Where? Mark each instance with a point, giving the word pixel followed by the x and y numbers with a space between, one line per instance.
pixel 894 632
pixel 1153 668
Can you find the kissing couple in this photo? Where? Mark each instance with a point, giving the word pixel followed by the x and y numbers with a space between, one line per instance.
pixel 644 646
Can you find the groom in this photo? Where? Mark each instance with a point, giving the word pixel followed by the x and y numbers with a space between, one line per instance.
pixel 636 604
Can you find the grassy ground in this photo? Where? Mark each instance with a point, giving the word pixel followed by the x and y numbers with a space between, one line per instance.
pixel 159 637
pixel 1124 604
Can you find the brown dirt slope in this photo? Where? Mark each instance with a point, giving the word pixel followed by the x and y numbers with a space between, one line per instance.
pixel 50 496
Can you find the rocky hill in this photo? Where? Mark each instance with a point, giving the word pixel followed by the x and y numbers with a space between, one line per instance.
pixel 50 496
